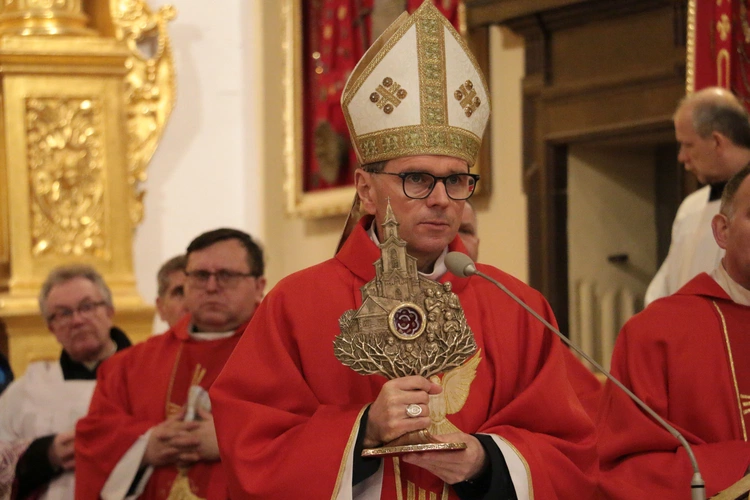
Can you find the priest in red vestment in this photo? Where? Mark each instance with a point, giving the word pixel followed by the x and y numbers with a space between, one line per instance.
pixel 149 432
pixel 292 420
pixel 686 356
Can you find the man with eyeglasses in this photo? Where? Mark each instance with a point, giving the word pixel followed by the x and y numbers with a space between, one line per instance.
pixel 38 412
pixel 292 420
pixel 150 431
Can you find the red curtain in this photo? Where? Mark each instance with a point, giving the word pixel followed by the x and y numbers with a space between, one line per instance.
pixel 336 35
pixel 722 46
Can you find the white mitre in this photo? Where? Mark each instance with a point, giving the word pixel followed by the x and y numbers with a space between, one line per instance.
pixel 417 90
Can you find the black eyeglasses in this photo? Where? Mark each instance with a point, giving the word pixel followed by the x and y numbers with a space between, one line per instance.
pixel 419 185
pixel 224 277
pixel 64 315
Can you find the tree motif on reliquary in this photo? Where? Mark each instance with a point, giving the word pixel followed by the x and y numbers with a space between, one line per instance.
pixel 66 175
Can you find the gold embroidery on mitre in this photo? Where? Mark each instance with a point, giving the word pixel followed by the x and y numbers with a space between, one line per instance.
pixel 388 95
pixel 467 96
pixel 429 131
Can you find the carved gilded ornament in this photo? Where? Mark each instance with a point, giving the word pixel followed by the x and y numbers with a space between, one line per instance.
pixel 150 88
pixel 66 176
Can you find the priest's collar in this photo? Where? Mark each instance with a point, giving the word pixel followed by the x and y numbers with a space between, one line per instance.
pixel 438 268
pixel 204 336
pixel 736 292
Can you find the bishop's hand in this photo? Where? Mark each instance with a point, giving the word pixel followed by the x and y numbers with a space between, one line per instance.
pixel 388 418
pixel 453 466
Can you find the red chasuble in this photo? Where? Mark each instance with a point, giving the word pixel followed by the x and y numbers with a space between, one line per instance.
pixel 287 410
pixel 135 391
pixel 686 356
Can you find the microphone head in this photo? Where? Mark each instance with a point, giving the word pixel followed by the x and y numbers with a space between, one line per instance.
pixel 460 264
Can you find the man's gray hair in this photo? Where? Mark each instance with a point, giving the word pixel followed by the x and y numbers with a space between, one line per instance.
pixel 730 190
pixel 63 274
pixel 724 114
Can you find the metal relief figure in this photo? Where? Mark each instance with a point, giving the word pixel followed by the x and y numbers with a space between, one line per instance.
pixel 399 330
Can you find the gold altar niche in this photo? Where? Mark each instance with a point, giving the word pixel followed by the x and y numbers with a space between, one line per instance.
pixel 86 90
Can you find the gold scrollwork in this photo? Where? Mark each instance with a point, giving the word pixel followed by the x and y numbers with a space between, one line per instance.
pixel 150 86
pixel 65 157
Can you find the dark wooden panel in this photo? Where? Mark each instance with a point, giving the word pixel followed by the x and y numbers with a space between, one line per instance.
pixel 596 70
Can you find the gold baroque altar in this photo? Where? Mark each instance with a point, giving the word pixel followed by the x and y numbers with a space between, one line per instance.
pixel 86 91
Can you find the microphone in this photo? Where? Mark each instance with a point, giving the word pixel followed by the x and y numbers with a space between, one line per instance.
pixel 462 266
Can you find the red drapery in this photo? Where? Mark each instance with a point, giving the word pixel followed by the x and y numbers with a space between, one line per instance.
pixel 336 35
pixel 720 55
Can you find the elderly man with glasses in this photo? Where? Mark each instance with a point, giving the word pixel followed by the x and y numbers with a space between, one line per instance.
pixel 293 419
pixel 150 432
pixel 38 412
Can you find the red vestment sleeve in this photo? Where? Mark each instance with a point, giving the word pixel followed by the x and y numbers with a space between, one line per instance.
pixel 672 356
pixel 108 431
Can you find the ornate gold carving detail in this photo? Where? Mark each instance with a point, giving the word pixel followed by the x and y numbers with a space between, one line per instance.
pixel 150 86
pixel 468 98
pixel 66 176
pixel 407 324
pixel 388 95
pixel 43 17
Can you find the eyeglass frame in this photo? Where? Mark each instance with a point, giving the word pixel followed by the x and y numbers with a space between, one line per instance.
pixel 220 276
pixel 436 178
pixel 65 315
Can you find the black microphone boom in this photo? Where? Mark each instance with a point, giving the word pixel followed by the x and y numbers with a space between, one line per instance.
pixel 462 266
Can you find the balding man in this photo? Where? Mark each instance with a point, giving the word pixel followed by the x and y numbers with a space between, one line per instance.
pixel 713 130
pixel 685 356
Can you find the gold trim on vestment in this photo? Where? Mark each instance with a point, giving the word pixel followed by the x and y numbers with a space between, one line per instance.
pixel 411 488
pixel 731 368
pixel 172 376
pixel 525 465
pixel 433 135
pixel 349 450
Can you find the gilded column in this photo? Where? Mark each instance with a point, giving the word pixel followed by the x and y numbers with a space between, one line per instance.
pixel 82 110
pixel 44 17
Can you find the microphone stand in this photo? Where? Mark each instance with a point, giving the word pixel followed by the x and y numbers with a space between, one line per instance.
pixel 461 265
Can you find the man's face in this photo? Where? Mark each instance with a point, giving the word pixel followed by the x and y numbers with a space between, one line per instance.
pixel 171 305
pixel 698 154
pixel 84 334
pixel 220 307
pixel 427 225
pixel 733 235
pixel 468 231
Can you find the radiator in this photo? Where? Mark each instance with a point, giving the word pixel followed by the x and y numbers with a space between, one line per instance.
pixel 598 314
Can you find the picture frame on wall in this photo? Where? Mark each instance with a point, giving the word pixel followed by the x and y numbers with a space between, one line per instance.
pixel 322 42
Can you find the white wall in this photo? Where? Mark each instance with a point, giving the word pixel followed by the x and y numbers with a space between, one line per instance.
pixel 207 171
pixel 221 160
